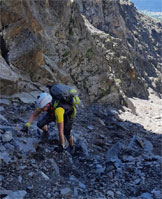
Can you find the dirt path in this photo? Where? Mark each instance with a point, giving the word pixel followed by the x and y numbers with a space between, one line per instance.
pixel 149 113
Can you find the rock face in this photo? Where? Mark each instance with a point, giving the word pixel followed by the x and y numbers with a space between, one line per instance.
pixel 106 48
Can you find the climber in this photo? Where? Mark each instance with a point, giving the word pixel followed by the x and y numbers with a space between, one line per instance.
pixel 61 112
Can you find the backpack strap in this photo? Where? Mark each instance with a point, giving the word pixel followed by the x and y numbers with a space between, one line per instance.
pixel 69 108
pixel 55 104
pixel 73 115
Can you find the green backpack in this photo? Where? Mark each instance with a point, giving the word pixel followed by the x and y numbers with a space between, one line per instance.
pixel 64 93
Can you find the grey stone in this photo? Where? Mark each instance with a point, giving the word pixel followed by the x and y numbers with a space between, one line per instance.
pixel 5 157
pixel 31 174
pixel 3 118
pixel 126 158
pixel 7 127
pixel 101 122
pixel 26 144
pixel 137 181
pixel 90 127
pixel 157 193
pixel 148 147
pixel 81 185
pixel 110 175
pixel 1 178
pixel 49 195
pixel 19 179
pixel 83 145
pixel 24 97
pixel 44 175
pixel 29 188
pixel 9 146
pixel 112 154
pixel 75 192
pixel 146 196
pixel 1 108
pixel 4 191
pixel 110 193
pixel 130 105
pixel 2 148
pixel 136 141
pixel 99 169
pixel 54 165
pixel 7 137
pixel 4 101
pixel 66 192
pixel 109 167
pixel 16 195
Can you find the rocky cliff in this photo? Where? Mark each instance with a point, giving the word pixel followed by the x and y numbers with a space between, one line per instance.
pixel 106 48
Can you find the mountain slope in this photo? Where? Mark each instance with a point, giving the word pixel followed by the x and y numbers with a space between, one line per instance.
pixel 110 52
pixel 106 48
pixel 114 158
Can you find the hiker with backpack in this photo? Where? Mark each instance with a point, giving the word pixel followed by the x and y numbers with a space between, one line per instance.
pixel 60 107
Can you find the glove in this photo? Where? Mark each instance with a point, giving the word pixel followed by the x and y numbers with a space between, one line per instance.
pixel 59 149
pixel 25 128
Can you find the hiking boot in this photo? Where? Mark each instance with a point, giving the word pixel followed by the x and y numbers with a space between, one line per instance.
pixel 73 149
pixel 59 149
pixel 44 137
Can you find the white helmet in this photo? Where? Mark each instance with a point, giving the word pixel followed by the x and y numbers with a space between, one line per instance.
pixel 43 100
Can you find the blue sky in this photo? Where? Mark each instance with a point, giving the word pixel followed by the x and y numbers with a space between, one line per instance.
pixel 149 5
